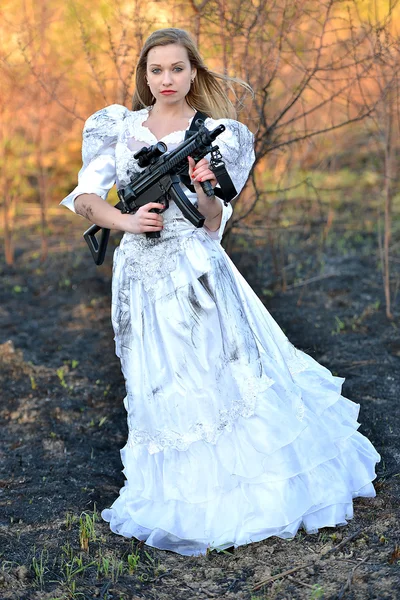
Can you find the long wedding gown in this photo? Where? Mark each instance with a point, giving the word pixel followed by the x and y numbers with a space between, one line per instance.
pixel 234 434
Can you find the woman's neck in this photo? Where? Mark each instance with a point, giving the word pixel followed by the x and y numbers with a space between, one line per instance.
pixel 172 111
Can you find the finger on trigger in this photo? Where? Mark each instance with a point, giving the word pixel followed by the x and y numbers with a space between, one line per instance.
pixel 191 166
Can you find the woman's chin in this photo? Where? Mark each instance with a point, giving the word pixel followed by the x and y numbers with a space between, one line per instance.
pixel 169 99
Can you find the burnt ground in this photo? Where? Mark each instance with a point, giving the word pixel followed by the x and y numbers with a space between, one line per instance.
pixel 63 423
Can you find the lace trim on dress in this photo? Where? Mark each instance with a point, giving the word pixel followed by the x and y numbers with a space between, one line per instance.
pixel 296 364
pixel 294 359
pixel 150 259
pixel 251 388
pixel 143 133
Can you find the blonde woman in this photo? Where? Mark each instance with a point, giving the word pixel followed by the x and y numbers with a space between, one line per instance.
pixel 234 435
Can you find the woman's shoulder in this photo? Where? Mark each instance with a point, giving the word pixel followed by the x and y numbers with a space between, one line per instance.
pixel 231 125
pixel 236 135
pixel 112 114
pixel 113 118
pixel 110 121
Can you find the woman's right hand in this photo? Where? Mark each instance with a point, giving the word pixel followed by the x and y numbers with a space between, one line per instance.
pixel 143 220
pixel 93 208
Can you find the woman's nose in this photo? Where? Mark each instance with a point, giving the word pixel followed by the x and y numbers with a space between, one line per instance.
pixel 167 78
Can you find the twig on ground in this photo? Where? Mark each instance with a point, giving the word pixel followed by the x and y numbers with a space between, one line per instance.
pixel 161 576
pixel 307 585
pixel 307 563
pixel 357 363
pixel 283 574
pixel 343 543
pixel 347 586
pixel 316 278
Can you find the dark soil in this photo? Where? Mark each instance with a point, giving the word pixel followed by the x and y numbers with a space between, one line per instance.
pixel 63 423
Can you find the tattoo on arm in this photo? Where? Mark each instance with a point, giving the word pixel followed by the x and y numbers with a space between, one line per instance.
pixel 86 211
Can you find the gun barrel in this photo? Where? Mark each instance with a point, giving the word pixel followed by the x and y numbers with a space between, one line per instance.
pixel 217 131
pixel 199 141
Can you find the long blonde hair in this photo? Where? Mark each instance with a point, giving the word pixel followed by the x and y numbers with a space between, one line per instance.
pixel 206 93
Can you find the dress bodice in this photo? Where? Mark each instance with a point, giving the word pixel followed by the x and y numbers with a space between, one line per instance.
pixel 112 136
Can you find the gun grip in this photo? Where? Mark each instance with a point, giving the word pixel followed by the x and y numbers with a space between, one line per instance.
pixel 98 249
pixel 207 188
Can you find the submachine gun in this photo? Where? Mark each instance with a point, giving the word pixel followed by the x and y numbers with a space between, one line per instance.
pixel 160 182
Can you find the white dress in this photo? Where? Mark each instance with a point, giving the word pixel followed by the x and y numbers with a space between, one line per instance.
pixel 234 434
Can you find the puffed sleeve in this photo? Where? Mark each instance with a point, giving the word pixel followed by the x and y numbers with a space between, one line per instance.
pixel 100 134
pixel 236 145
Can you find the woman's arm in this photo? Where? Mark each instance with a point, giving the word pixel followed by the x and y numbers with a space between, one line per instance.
pixel 96 210
pixel 209 207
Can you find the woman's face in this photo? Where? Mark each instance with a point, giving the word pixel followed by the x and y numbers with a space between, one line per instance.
pixel 169 73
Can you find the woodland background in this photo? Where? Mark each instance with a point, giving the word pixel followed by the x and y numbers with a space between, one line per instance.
pixel 325 112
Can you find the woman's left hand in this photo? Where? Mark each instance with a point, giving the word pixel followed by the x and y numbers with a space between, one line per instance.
pixel 199 172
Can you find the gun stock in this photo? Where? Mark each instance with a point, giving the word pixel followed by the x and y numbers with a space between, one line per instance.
pixel 97 248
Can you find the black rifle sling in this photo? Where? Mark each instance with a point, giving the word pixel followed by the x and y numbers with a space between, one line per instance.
pixel 227 190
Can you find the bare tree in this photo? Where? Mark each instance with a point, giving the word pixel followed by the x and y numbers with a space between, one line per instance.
pixel 384 127
pixel 310 65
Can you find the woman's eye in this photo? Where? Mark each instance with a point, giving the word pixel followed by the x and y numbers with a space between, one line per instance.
pixel 157 70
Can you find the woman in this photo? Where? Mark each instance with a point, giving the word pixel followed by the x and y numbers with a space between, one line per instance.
pixel 234 435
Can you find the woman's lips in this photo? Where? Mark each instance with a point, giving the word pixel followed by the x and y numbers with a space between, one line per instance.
pixel 168 92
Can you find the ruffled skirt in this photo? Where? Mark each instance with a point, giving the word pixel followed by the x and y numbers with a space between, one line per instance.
pixel 234 435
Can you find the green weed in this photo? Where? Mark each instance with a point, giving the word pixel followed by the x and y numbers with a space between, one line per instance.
pixel 67 551
pixel 87 530
pixel 39 566
pixel 356 321
pixel 70 519
pixel 61 376
pixel 72 593
pixel 64 283
pixel 133 561
pixel 74 567
pixel 317 592
pixel 340 325
pixel 323 537
pixel 110 567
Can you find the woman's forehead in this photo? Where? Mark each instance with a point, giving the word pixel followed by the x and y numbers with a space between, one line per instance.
pixel 167 55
